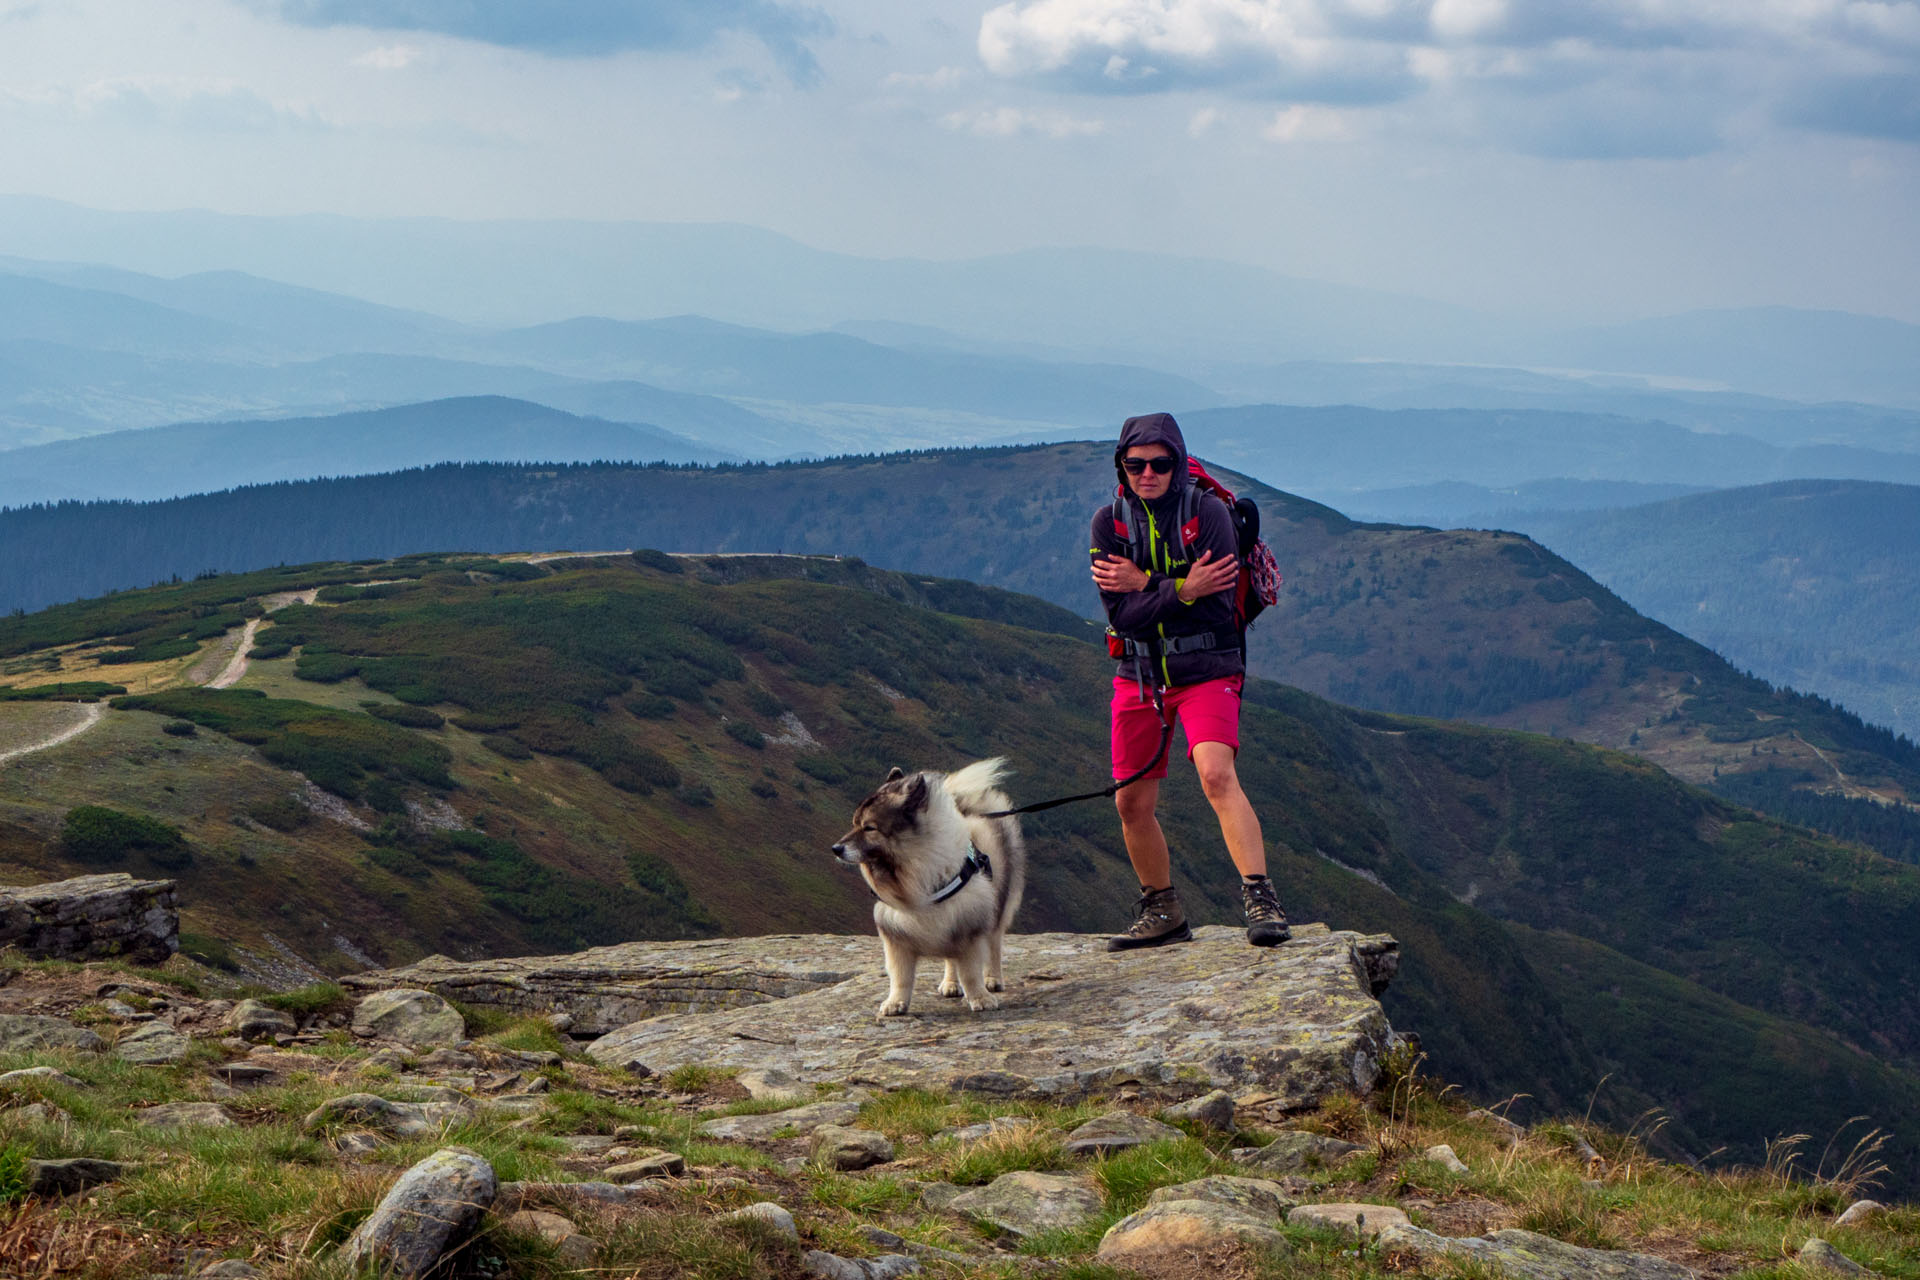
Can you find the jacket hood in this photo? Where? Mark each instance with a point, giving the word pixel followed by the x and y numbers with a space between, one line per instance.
pixel 1153 428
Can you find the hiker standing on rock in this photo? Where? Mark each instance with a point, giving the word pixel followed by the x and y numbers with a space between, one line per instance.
pixel 1168 588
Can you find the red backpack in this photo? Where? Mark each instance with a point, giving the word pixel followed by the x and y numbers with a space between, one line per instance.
pixel 1259 583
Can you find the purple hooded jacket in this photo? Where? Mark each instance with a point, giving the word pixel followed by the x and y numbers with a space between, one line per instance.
pixel 1156 613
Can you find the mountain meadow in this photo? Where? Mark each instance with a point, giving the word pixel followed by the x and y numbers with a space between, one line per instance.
pixel 1460 624
pixel 475 755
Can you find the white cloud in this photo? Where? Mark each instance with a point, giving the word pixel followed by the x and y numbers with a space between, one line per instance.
pixel 935 81
pixel 201 103
pixel 1303 123
pixel 389 57
pixel 1012 122
pixel 1202 120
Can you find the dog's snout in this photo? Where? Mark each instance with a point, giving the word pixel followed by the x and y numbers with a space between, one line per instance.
pixel 840 851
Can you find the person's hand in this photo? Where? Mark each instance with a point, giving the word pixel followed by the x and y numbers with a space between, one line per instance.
pixel 1118 574
pixel 1209 576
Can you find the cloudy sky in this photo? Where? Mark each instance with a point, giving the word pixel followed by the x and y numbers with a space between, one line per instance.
pixel 1609 158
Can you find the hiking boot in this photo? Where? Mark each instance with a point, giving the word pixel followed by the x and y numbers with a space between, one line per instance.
pixel 1266 922
pixel 1158 918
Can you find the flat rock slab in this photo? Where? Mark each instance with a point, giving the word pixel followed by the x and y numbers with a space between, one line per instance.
pixel 24 1032
pixel 70 1177
pixel 648 1162
pixel 1116 1131
pixel 1295 1151
pixel 1026 1204
pixel 184 1115
pixel 1298 1021
pixel 152 1044
pixel 1256 1196
pixel 1529 1256
pixel 30 1077
pixel 798 1122
pixel 1359 1219
pixel 1184 1226
pixel 92 917
pixel 839 1147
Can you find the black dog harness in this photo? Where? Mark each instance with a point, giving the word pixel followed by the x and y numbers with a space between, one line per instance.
pixel 976 862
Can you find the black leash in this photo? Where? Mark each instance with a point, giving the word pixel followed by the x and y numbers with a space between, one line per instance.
pixel 1166 740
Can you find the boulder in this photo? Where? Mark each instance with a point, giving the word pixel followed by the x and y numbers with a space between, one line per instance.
pixel 1176 1227
pixel 182 1115
pixel 648 1162
pixel 1116 1131
pixel 70 1177
pixel 773 1084
pixel 774 1217
pixel 829 1266
pixel 433 1207
pixel 30 1077
pixel 800 1121
pixel 1214 1110
pixel 1443 1156
pixel 1256 1196
pixel 1512 1134
pixel 1025 1204
pixel 258 1020
pixel 395 1119
pixel 1818 1253
pixel 92 918
pixel 1359 1219
pixel 1295 1151
pixel 1526 1255
pixel 152 1044
pixel 25 1032
pixel 839 1147
pixel 409 1016
pixel 1857 1215
pixel 1298 1022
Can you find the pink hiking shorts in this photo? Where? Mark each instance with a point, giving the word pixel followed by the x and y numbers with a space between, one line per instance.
pixel 1206 712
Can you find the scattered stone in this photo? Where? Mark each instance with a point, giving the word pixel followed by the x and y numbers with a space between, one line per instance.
pixel 152 1044
pixel 515 1196
pixel 881 1238
pixel 774 1216
pixel 649 1162
pixel 587 1144
pixel 1025 1204
pixel 938 1197
pixel 181 1115
pixel 70 1177
pixel 395 1119
pixel 999 1124
pixel 1116 1131
pixel 243 1072
pixel 1361 1219
pixel 92 917
pixel 40 1113
pixel 409 1016
pixel 433 1207
pixel 227 1269
pixel 358 1144
pixel 1856 1215
pixel 121 1011
pixel 220 1091
pixel 257 1020
pixel 1512 1133
pixel 1526 1255
pixel 838 1147
pixel 772 1083
pixel 1443 1156
pixel 1255 1196
pixel 828 1266
pixel 1295 1151
pixel 27 1076
pixel 570 1246
pixel 445 1059
pixel 801 1120
pixel 1818 1253
pixel 1214 1110
pixel 561 1022
pixel 1184 1226
pixel 25 1032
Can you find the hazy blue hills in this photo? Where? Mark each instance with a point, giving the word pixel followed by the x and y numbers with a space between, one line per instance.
pixel 199 457
pixel 1452 504
pixel 1810 583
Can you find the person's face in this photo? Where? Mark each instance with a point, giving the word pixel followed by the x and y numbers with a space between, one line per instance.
pixel 1149 484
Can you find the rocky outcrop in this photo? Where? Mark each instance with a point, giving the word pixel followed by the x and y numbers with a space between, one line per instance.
pixel 1026 1204
pixel 1526 1255
pixel 25 1032
pixel 91 918
pixel 410 1016
pixel 1185 1229
pixel 1296 1022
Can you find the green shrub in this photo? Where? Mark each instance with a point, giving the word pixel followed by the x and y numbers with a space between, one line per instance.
pixel 741 731
pixel 66 691
pixel 213 952
pixel 282 813
pixel 503 745
pixel 651 706
pixel 406 716
pixel 15 1179
pixel 695 794
pixel 314 998
pixel 479 722
pixel 399 861
pixel 658 560
pixel 269 651
pixel 824 768
pixel 94 833
pixel 180 728
pixel 764 703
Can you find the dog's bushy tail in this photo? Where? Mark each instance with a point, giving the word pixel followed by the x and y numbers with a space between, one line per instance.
pixel 976 788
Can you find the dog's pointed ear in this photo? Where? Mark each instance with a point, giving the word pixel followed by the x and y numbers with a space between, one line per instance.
pixel 916 797
pixel 896 773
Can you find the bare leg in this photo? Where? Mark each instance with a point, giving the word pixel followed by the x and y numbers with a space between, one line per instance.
pixel 1239 824
pixel 1146 842
pixel 901 962
pixel 950 981
pixel 973 978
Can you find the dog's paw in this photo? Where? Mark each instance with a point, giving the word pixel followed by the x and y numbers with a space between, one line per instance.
pixel 986 1001
pixel 994 984
pixel 950 987
pixel 890 1009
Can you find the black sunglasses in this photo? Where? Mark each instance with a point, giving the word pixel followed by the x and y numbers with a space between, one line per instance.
pixel 1161 466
